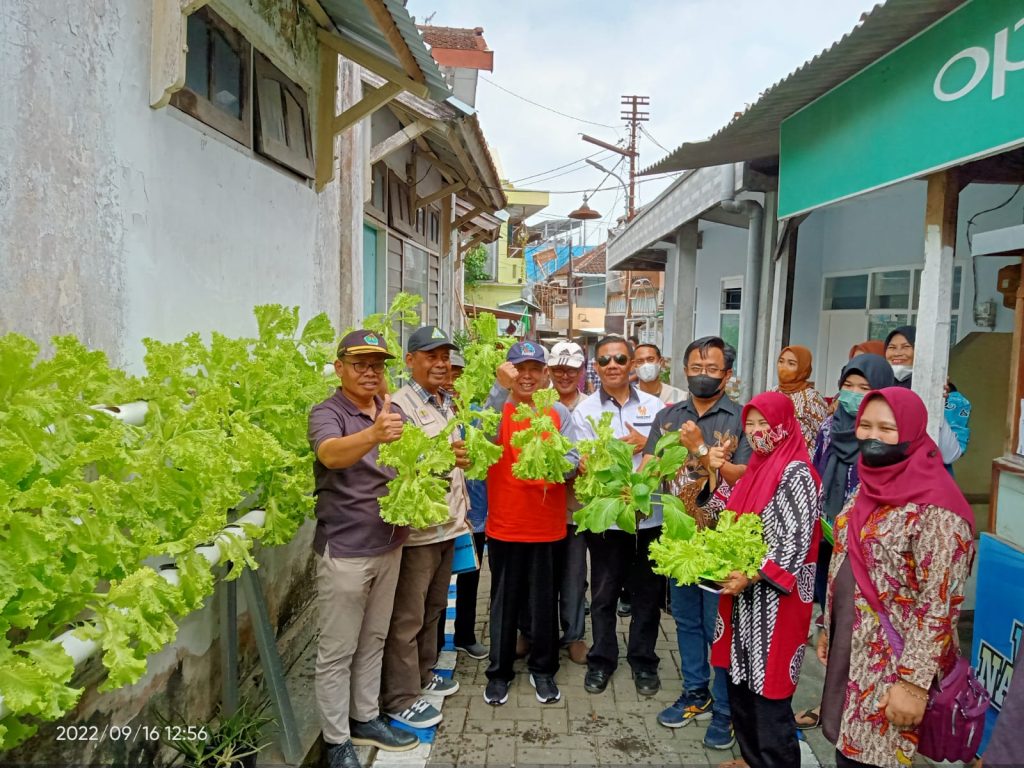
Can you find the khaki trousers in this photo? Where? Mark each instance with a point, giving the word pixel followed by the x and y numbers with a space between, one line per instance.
pixel 355 596
pixel 420 601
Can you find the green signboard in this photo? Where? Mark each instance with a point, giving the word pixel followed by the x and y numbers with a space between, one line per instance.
pixel 951 94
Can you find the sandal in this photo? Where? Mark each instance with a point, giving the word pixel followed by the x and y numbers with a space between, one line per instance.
pixel 811 719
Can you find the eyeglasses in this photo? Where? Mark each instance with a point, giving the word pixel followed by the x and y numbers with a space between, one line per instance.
pixel 620 359
pixel 697 370
pixel 363 367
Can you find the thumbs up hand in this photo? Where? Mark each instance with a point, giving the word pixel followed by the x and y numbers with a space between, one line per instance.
pixel 387 427
pixel 634 438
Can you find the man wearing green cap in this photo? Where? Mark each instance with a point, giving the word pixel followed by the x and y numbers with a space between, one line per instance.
pixel 359 555
pixel 422 596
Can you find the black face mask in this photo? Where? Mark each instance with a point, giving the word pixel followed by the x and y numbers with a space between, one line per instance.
pixel 704 386
pixel 875 453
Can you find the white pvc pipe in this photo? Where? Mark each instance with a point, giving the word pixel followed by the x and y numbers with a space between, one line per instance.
pixel 130 413
pixel 81 650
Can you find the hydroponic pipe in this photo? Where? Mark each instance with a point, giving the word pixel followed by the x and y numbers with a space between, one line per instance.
pixel 81 650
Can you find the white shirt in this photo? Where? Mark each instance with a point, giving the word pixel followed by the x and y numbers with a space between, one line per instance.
pixel 638 411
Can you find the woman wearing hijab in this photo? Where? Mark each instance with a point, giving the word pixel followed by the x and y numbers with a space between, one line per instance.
pixel 869 347
pixel 953 431
pixel 835 460
pixel 763 621
pixel 794 370
pixel 903 548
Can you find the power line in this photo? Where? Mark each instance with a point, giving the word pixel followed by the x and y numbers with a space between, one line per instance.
pixel 657 143
pixel 559 167
pixel 549 109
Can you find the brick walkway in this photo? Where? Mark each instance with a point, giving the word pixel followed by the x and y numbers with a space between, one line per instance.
pixel 614 728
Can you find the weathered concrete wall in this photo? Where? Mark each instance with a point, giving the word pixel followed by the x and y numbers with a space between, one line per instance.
pixel 117 222
pixel 120 221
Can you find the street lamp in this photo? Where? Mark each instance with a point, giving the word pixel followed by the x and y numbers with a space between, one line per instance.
pixel 584 213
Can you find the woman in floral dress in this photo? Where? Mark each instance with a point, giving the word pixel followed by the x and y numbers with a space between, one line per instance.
pixel 761 631
pixel 903 548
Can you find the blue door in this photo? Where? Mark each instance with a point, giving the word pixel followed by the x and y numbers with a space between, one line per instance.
pixel 369 270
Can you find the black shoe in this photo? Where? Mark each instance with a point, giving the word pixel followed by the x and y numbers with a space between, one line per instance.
pixel 647 683
pixel 381 734
pixel 342 756
pixel 496 692
pixel 596 680
pixel 624 608
pixel 547 690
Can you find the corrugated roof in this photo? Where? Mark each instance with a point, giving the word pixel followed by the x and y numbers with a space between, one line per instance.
pixel 356 23
pixel 591 263
pixel 754 133
pixel 454 38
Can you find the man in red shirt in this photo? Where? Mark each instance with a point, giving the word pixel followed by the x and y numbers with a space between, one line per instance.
pixel 525 532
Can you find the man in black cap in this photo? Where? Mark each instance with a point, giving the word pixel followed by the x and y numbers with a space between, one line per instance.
pixel 359 555
pixel 422 595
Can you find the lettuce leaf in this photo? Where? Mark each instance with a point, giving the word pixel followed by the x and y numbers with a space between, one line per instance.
pixel 734 544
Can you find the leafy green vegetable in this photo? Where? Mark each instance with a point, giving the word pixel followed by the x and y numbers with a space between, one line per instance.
pixel 614 493
pixel 734 544
pixel 418 495
pixel 542 448
pixel 387 325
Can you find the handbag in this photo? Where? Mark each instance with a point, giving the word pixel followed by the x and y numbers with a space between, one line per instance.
pixel 954 717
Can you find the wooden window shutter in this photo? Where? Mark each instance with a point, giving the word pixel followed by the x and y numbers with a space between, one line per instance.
pixel 282 118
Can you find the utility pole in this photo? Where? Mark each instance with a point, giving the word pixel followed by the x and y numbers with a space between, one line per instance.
pixel 568 291
pixel 633 117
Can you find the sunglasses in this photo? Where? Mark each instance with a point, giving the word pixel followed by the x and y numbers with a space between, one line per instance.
pixel 620 359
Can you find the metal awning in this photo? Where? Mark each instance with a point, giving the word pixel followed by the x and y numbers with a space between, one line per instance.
pixel 754 133
pixel 385 29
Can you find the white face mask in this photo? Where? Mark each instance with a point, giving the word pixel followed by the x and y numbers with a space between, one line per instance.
pixel 648 371
pixel 902 372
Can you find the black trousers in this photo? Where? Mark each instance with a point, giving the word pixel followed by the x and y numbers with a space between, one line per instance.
pixel 619 559
pixel 466 587
pixel 842 761
pixel 765 728
pixel 524 575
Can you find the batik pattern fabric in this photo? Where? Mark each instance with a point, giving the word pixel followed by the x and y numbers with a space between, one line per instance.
pixel 918 557
pixel 811 411
pixel 761 634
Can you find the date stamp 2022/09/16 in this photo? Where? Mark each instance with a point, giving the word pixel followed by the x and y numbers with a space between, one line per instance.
pixel 132 733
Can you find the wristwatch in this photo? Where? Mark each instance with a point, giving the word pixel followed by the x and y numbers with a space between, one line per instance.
pixel 702 450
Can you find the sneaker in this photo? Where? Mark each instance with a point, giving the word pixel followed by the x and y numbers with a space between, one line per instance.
pixel 419 714
pixel 719 734
pixel 474 650
pixel 547 691
pixel 496 692
pixel 441 686
pixel 624 608
pixel 381 734
pixel 687 708
pixel 342 756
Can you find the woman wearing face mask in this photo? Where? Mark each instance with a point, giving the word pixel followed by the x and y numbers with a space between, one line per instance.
pixel 835 459
pixel 903 548
pixel 953 432
pixel 763 621
pixel 794 370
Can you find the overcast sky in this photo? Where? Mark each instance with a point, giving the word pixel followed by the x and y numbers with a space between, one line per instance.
pixel 699 61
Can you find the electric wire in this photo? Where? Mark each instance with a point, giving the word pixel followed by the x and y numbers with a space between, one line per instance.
pixel 549 109
pixel 974 260
pixel 560 167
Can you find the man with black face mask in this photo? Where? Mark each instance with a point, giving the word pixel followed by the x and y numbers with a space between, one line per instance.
pixel 711 428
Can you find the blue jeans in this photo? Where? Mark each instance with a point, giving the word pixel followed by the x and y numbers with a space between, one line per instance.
pixel 695 611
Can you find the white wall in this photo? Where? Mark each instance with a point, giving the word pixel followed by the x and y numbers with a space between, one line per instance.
pixel 887 228
pixel 120 221
pixel 724 254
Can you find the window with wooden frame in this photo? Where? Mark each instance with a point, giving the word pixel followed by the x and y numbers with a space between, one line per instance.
pixel 227 81
pixel 421 226
pixel 434 228
pixel 282 118
pixel 377 205
pixel 217 76
pixel 400 216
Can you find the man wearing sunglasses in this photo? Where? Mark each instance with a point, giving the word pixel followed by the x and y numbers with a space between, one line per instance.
pixel 618 558
pixel 359 555
pixel 710 427
pixel 421 598
pixel 525 532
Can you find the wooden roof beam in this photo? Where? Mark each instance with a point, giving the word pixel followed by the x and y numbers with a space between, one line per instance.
pixel 393 35
pixel 467 217
pixel 372 62
pixel 443 192
pixel 318 13
pixel 397 140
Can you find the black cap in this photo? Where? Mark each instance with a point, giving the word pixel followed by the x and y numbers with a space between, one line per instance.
pixel 427 338
pixel 362 342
